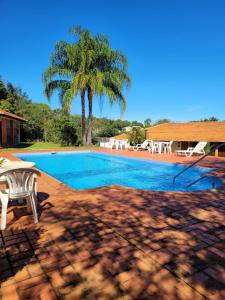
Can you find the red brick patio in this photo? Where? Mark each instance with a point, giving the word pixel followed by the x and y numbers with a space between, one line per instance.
pixel 116 243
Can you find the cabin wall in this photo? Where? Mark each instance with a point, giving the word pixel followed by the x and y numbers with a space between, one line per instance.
pixel 220 152
pixel 9 132
pixel 182 145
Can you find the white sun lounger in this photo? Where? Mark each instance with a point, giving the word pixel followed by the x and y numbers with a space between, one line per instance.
pixel 143 146
pixel 198 149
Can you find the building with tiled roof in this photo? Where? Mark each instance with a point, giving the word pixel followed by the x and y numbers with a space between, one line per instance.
pixel 188 134
pixel 9 129
pixel 185 135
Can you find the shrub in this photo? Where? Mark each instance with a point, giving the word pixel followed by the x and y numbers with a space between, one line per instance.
pixel 68 134
pixel 207 148
pixel 108 131
pixel 136 136
pixel 61 130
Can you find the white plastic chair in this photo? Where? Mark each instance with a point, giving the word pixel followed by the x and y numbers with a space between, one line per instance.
pixel 124 144
pixel 4 160
pixel 153 147
pixel 110 144
pixel 22 183
pixel 168 147
pixel 116 144
pixel 104 142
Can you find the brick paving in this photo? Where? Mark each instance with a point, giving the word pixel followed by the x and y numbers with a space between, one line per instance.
pixel 116 243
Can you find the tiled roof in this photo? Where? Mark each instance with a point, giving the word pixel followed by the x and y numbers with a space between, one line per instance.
pixel 192 131
pixel 11 116
pixel 122 136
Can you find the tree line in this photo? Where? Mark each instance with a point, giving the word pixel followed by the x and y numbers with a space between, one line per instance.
pixel 54 125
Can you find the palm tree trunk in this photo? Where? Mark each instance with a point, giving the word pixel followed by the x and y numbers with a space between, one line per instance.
pixel 83 126
pixel 89 133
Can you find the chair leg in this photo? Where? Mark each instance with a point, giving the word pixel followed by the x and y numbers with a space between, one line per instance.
pixel 29 207
pixel 4 200
pixel 189 154
pixel 34 207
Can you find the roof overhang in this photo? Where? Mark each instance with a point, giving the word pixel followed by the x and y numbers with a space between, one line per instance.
pixel 9 115
pixel 192 131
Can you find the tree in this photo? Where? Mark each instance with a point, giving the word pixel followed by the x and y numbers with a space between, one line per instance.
pixel 62 129
pixel 147 122
pixel 136 123
pixel 162 121
pixel 3 90
pixel 136 136
pixel 108 131
pixel 10 96
pixel 211 119
pixel 36 115
pixel 120 124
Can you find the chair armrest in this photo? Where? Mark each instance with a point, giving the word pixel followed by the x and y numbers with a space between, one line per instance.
pixel 4 192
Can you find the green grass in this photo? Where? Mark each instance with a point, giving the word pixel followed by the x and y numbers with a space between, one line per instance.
pixel 41 146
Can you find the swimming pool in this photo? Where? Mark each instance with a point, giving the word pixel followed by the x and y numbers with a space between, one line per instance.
pixel 90 169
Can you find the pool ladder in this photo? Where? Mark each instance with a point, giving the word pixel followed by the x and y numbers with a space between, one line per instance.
pixel 213 149
pixel 210 178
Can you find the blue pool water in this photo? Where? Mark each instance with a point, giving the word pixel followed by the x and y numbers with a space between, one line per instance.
pixel 89 169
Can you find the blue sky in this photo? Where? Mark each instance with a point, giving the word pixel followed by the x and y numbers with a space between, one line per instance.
pixel 175 51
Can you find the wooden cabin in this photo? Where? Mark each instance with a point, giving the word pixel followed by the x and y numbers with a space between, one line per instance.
pixel 10 129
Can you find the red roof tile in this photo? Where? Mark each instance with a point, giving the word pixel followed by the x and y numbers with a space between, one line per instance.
pixel 11 116
pixel 192 131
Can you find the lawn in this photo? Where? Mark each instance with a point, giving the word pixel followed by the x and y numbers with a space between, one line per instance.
pixel 41 146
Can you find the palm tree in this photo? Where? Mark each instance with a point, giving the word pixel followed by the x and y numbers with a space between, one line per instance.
pixel 102 72
pixel 147 122
pixel 92 67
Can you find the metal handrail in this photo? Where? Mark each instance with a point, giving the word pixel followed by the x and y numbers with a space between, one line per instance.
pixel 197 161
pixel 199 179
